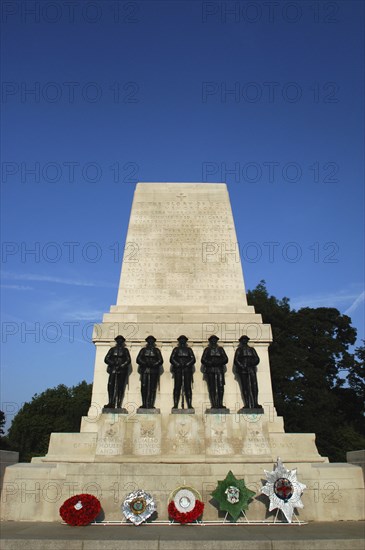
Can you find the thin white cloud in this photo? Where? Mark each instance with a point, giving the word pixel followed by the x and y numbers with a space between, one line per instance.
pixel 359 300
pixel 51 279
pixel 67 309
pixel 326 300
pixel 17 287
pixel 90 315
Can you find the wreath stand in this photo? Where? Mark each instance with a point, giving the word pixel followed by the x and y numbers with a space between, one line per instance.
pixel 195 522
pixel 243 520
pixel 296 522
pixel 239 520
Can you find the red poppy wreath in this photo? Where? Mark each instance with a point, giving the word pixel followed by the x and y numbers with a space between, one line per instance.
pixel 80 509
pixel 185 505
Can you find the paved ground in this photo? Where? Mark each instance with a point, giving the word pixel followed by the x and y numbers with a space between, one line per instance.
pixel 345 535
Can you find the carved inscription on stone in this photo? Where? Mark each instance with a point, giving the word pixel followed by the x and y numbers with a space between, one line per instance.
pixel 217 437
pixel 147 437
pixel 187 249
pixel 255 442
pixel 183 435
pixel 111 438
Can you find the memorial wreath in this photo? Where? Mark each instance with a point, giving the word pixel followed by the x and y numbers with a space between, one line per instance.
pixel 185 505
pixel 80 509
pixel 283 490
pixel 232 495
pixel 138 506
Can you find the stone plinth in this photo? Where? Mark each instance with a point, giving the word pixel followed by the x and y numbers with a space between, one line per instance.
pixel 7 458
pixel 357 458
pixel 34 492
pixel 173 438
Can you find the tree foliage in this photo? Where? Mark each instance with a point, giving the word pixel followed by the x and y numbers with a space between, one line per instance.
pixel 318 384
pixel 4 444
pixel 2 422
pixel 55 410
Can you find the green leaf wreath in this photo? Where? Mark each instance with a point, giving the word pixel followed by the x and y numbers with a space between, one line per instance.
pixel 232 495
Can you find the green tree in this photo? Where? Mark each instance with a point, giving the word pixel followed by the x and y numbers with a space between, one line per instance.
pixel 55 410
pixel 351 399
pixel 308 357
pixel 356 375
pixel 2 422
pixel 4 444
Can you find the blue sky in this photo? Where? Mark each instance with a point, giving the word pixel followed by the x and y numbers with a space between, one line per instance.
pixel 99 95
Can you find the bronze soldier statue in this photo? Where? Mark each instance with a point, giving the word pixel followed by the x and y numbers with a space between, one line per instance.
pixel 244 364
pixel 214 360
pixel 118 360
pixel 182 367
pixel 150 363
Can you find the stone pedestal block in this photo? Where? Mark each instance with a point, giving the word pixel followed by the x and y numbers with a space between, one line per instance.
pixel 34 492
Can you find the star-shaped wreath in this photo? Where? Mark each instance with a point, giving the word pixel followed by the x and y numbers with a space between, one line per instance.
pixel 283 489
pixel 232 495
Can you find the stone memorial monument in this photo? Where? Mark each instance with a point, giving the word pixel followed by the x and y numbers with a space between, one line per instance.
pixel 181 275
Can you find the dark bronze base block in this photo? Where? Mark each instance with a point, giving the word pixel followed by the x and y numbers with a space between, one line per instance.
pixel 107 410
pixel 141 410
pixel 183 411
pixel 217 411
pixel 247 410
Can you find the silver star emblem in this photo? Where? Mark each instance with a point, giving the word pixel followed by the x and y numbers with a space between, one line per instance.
pixel 283 490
